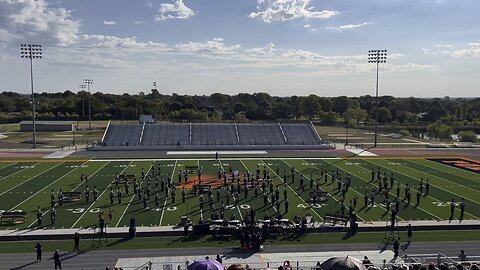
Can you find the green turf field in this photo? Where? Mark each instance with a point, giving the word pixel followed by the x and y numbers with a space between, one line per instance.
pixel 26 184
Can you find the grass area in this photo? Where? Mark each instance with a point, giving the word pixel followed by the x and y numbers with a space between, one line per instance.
pixel 26 185
pixel 339 134
pixel 227 241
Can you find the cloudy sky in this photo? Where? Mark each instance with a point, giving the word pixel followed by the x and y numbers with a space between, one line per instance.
pixel 282 47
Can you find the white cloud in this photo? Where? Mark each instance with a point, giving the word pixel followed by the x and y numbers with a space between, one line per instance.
pixel 347 26
pixel 473 51
pixel 211 47
pixel 445 46
pixel 470 50
pixel 138 22
pixel 109 22
pixel 177 10
pixel 23 20
pixel 306 25
pixel 284 10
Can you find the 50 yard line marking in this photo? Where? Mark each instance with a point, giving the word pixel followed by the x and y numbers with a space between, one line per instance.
pixel 238 208
pixel 44 213
pixel 88 209
pixel 166 199
pixel 270 201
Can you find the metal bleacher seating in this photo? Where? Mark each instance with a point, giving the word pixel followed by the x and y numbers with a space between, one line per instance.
pixel 211 134
pixel 300 134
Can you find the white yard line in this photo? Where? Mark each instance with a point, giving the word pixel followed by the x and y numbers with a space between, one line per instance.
pixel 6 165
pixel 166 199
pixel 379 205
pixel 88 209
pixel 31 179
pixel 274 208
pixel 429 195
pixel 17 171
pixel 131 199
pixel 21 182
pixel 43 187
pixel 285 182
pixel 209 159
pixel 238 208
pixel 44 213
pixel 438 178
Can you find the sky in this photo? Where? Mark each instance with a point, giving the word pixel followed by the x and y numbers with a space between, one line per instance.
pixel 281 47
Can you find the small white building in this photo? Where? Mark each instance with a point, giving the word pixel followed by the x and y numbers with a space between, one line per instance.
pixel 146 119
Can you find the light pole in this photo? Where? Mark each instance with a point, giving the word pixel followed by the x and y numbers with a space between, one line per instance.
pixel 82 88
pixel 32 51
pixel 88 82
pixel 377 57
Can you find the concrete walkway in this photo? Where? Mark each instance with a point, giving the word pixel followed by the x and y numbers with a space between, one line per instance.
pixel 178 230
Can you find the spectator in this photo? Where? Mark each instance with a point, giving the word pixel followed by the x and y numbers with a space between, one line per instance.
pixel 219 259
pixel 247 267
pixel 76 239
pixel 409 232
pixel 367 262
pixel 431 266
pixel 462 256
pixel 287 266
pixel 396 246
pixel 235 266
pixel 474 267
pixel 38 248
pixel 56 260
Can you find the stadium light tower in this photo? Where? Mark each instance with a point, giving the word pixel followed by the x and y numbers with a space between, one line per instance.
pixel 82 88
pixel 32 51
pixel 88 82
pixel 377 57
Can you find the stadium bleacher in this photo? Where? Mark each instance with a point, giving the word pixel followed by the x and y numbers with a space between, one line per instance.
pixel 216 135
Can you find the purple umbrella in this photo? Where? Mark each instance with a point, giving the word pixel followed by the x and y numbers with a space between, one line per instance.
pixel 205 265
pixel 343 263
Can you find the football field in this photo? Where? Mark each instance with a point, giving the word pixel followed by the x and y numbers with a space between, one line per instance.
pixel 27 184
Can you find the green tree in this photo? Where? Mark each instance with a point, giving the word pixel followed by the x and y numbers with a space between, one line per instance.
pixel 384 115
pixel 439 130
pixel 467 136
pixel 310 106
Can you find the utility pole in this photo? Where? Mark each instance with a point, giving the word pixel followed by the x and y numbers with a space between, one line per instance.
pixel 82 89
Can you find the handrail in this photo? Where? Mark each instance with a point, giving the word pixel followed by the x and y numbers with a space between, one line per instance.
pixel 141 134
pixel 105 133
pixel 236 131
pixel 315 131
pixel 283 133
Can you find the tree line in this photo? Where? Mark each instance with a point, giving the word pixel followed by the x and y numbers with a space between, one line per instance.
pixel 440 116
